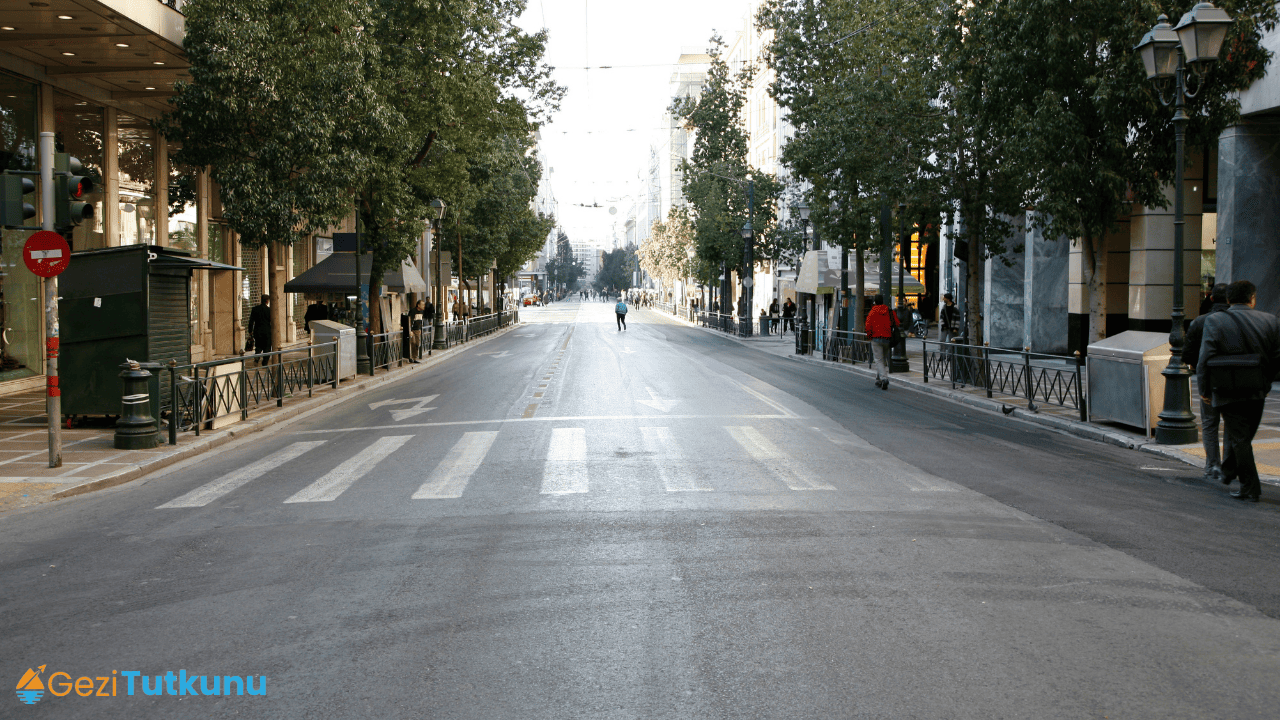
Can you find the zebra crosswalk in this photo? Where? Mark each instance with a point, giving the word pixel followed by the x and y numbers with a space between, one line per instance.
pixel 568 466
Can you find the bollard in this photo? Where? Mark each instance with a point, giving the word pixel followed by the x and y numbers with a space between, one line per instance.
pixel 136 429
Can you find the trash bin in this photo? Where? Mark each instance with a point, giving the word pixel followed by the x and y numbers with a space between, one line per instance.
pixel 326 331
pixel 1125 384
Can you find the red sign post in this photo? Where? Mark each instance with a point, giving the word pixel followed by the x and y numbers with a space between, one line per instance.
pixel 46 253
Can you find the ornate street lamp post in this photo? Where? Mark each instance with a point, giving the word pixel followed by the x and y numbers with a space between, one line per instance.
pixel 437 323
pixel 1167 54
pixel 802 337
pixel 748 280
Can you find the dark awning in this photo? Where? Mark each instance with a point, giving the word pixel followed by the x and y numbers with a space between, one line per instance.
pixel 191 263
pixel 337 274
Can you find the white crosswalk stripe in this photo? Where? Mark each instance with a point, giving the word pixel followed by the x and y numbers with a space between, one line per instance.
pixel 670 461
pixel 453 473
pixel 763 451
pixel 336 481
pixel 565 471
pixel 209 492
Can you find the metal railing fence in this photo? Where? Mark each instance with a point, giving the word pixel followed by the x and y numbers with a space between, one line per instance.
pixel 846 346
pixel 1037 377
pixel 200 393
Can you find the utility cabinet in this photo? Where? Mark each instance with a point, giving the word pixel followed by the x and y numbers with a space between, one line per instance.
pixel 1125 380
pixel 131 302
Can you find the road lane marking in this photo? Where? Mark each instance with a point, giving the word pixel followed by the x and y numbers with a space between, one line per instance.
pixel 769 402
pixel 453 473
pixel 565 471
pixel 670 461
pixel 763 451
pixel 530 410
pixel 209 492
pixel 337 480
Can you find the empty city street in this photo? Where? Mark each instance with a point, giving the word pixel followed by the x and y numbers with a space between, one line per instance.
pixel 573 521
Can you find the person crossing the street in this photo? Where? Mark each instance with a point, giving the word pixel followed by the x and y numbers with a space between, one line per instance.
pixel 621 310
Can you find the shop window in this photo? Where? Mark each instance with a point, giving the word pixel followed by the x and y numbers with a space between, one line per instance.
pixel 183 182
pixel 136 141
pixel 21 332
pixel 251 285
pixel 79 129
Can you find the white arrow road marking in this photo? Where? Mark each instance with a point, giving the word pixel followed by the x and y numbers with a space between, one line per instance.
pixel 336 481
pixel 398 415
pixel 420 401
pixel 504 353
pixel 658 403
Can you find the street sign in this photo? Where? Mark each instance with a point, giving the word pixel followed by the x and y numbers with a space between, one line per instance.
pixel 46 253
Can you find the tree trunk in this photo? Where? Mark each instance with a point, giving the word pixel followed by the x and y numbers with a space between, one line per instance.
pixel 860 291
pixel 1095 272
pixel 275 289
pixel 973 291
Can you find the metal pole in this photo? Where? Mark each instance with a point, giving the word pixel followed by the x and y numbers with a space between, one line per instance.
pixel 53 394
pixel 1177 426
pixel 748 260
pixel 362 305
pixel 898 355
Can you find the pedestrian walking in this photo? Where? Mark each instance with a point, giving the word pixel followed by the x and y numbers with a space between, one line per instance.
pixel 948 319
pixel 882 326
pixel 1239 357
pixel 259 328
pixel 418 322
pixel 1210 418
pixel 317 310
pixel 621 310
pixel 789 316
pixel 775 316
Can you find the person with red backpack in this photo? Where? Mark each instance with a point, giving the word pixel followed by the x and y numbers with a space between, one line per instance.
pixel 881 323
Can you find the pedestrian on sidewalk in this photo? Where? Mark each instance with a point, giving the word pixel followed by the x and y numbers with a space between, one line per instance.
pixel 948 319
pixel 317 310
pixel 1210 418
pixel 881 323
pixel 789 316
pixel 1239 357
pixel 621 310
pixel 260 328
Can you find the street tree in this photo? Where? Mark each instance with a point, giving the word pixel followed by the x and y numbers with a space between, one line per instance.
pixel 665 254
pixel 276 101
pixel 1069 103
pixel 863 99
pixel 617 270
pixel 723 190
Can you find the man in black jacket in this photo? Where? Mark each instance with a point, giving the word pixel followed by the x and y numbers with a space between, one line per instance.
pixel 1239 330
pixel 260 328
pixel 1209 417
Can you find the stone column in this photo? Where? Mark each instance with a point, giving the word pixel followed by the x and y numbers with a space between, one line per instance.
pixel 1151 255
pixel 1249 207
pixel 1004 301
pixel 1045 291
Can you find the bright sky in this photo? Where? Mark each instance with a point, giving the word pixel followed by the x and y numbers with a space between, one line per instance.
pixel 598 144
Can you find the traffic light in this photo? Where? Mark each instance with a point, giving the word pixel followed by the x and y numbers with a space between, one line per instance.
pixel 13 211
pixel 69 191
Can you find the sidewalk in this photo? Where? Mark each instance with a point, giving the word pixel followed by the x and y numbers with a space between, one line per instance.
pixel 89 462
pixel 1266 444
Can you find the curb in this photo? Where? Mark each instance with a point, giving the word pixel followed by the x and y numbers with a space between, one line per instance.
pixel 1070 427
pixel 282 416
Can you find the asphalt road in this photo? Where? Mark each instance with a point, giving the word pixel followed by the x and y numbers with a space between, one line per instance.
pixel 571 521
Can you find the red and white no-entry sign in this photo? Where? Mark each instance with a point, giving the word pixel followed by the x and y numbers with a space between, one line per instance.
pixel 46 253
